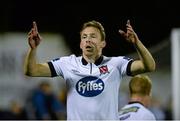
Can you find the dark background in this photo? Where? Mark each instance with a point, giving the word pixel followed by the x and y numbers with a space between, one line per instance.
pixel 152 20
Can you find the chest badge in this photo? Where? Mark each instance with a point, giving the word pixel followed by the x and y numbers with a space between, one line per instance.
pixel 103 69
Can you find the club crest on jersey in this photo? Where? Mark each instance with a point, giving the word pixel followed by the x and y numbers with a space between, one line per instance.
pixel 103 69
pixel 90 86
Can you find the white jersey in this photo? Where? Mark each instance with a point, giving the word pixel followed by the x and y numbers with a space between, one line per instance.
pixel 92 87
pixel 135 111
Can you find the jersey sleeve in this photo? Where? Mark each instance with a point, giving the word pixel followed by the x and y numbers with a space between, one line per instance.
pixel 52 69
pixel 57 66
pixel 125 65
pixel 54 66
pixel 61 66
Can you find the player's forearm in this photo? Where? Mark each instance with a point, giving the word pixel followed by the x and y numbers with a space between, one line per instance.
pixel 30 62
pixel 145 56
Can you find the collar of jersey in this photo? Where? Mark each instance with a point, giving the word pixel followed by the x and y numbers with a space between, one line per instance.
pixel 132 102
pixel 97 62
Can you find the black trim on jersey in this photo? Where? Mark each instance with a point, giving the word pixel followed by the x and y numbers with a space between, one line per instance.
pixel 128 71
pixel 132 102
pixel 97 62
pixel 53 72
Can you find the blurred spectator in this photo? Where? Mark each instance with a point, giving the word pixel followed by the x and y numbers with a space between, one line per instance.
pixel 16 112
pixel 46 104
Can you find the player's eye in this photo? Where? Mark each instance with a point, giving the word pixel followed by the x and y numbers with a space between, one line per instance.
pixel 93 36
pixel 83 36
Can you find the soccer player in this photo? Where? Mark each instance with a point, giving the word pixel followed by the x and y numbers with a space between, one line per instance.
pixel 92 79
pixel 140 93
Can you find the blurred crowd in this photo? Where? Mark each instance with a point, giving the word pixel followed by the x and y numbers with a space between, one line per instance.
pixel 44 104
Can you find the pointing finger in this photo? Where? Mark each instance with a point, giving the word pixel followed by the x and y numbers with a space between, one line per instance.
pixel 35 26
pixel 128 22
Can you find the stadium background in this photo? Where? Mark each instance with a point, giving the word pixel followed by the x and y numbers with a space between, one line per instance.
pixel 59 23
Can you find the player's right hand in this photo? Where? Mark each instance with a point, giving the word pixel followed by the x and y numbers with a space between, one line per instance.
pixel 34 37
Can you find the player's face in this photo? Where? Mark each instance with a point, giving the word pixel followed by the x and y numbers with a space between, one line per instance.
pixel 91 42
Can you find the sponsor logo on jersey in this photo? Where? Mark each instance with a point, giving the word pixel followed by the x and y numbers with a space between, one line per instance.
pixel 103 69
pixel 90 86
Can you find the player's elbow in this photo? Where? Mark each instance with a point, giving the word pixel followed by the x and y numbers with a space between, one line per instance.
pixel 26 72
pixel 151 67
pixel 29 72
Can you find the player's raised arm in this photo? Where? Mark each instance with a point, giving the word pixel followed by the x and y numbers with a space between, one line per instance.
pixel 146 62
pixel 31 67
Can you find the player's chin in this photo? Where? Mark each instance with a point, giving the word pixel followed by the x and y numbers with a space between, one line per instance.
pixel 88 53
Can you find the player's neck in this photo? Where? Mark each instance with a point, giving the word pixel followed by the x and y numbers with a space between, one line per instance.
pixel 140 99
pixel 91 59
pixel 135 98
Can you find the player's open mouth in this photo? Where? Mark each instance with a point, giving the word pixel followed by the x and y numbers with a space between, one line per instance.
pixel 88 47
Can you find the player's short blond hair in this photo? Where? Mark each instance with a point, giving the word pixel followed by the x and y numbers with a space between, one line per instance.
pixel 140 85
pixel 97 25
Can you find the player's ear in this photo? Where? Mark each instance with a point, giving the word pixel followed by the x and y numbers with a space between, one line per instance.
pixel 103 44
pixel 80 45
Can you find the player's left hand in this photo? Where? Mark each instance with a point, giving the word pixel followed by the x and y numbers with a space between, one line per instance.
pixel 130 35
